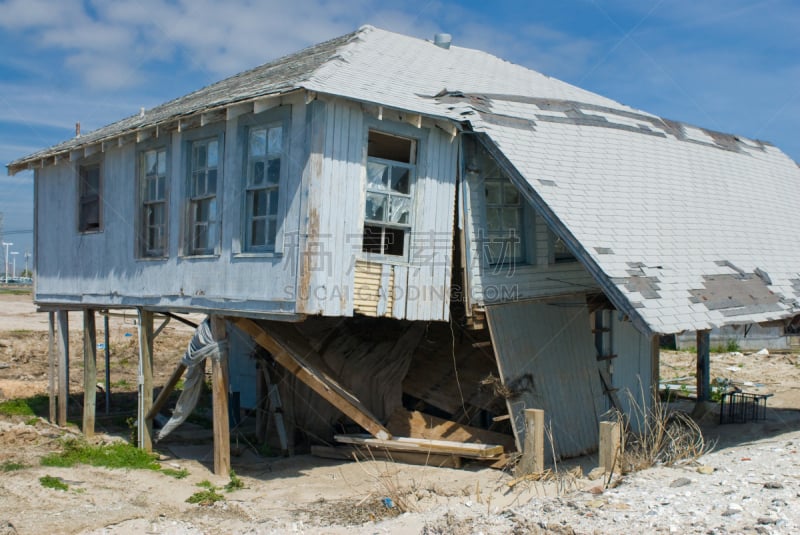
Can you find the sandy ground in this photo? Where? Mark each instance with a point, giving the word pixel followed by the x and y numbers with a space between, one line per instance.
pixel 748 483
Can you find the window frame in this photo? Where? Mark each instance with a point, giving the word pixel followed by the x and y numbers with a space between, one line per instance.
pixel 418 138
pixel 503 234
pixel 192 199
pixel 274 118
pixel 85 198
pixel 143 249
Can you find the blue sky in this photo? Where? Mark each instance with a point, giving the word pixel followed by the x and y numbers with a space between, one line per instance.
pixel 728 65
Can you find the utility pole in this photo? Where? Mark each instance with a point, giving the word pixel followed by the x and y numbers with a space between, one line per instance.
pixel 27 256
pixel 7 245
pixel 14 269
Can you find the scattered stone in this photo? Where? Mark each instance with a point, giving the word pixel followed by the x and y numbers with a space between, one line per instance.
pixel 7 528
pixel 733 509
pixel 762 353
pixel 595 504
pixel 767 520
pixel 597 489
pixel 681 482
pixel 596 473
pixel 705 469
pixel 773 485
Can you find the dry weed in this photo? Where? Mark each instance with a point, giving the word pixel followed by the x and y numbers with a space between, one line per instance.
pixel 657 435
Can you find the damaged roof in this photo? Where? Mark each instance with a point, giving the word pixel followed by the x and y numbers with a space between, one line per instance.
pixel 684 228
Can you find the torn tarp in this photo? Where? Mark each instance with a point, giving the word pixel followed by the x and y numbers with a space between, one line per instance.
pixel 201 346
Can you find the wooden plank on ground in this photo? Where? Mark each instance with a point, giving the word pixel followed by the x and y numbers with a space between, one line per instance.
pixel 353 453
pixel 296 355
pixel 471 450
pixel 416 424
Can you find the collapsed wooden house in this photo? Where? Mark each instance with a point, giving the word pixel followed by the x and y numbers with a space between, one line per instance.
pixel 407 225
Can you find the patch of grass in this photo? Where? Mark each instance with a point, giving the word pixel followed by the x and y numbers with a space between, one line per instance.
pixel 32 421
pixel 207 496
pixel 116 455
pixel 177 474
pixel 25 406
pixel 122 383
pixel 15 291
pixel 11 466
pixel 50 482
pixel 235 483
pixel 19 333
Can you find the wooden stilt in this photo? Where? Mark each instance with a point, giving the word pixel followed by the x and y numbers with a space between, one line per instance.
pixel 63 366
pixel 533 450
pixel 261 404
pixel 145 427
pixel 51 370
pixel 89 372
pixel 703 363
pixel 219 393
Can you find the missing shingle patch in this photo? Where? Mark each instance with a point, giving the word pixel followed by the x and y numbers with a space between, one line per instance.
pixel 545 182
pixel 736 294
pixel 604 250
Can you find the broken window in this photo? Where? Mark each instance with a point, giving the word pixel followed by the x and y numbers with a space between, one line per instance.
pixel 153 194
pixel 264 155
pixel 89 209
pixel 203 175
pixel 391 167
pixel 504 222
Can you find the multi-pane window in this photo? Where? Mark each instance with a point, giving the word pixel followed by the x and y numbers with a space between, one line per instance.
pixel 264 153
pixel 153 183
pixel 89 209
pixel 391 166
pixel 504 222
pixel 203 174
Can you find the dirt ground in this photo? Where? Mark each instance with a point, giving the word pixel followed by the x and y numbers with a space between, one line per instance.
pixel 304 494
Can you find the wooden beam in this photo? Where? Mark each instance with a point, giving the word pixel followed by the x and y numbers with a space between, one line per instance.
pixel 145 429
pixel 532 461
pixel 703 363
pixel 89 372
pixel 166 391
pixel 295 355
pixel 51 369
pixel 266 103
pixel 219 393
pixel 63 366
pixel 421 445
pixel 232 112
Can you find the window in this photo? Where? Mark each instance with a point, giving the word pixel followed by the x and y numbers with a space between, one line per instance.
pixel 89 209
pixel 153 195
pixel 263 168
pixel 391 167
pixel 504 222
pixel 203 174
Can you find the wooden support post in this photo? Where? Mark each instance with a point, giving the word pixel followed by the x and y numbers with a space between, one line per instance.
pixel 89 372
pixel 262 403
pixel 107 353
pixel 655 366
pixel 51 373
pixel 145 427
pixel 533 450
pixel 703 363
pixel 219 393
pixel 63 366
pixel 166 391
pixel 610 446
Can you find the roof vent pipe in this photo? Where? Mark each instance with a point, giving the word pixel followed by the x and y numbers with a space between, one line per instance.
pixel 443 40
